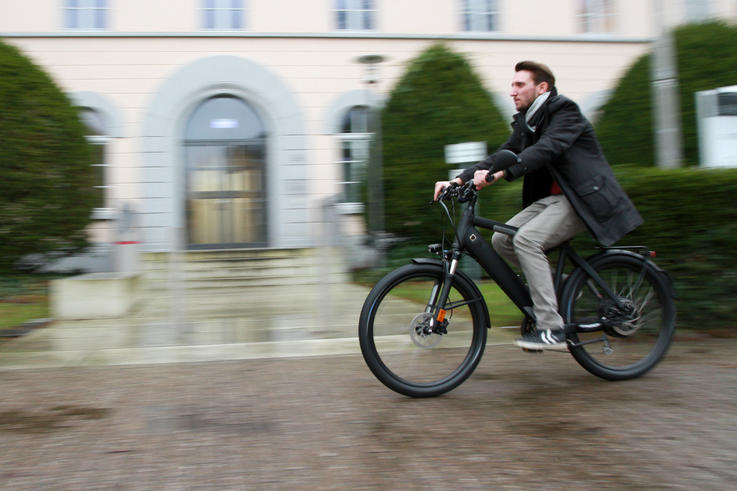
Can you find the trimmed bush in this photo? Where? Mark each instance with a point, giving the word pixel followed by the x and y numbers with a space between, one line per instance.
pixel 625 126
pixel 691 221
pixel 706 59
pixel 438 101
pixel 46 193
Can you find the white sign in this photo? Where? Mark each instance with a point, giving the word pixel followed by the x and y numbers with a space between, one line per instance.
pixel 464 153
pixel 719 142
pixel 716 112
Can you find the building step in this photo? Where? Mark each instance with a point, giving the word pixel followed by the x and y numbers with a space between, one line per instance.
pixel 228 269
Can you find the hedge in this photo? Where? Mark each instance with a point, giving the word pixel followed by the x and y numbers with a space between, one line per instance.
pixel 46 193
pixel 691 224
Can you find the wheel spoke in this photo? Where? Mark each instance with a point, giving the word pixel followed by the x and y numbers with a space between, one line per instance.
pixel 648 317
pixel 642 318
pixel 643 303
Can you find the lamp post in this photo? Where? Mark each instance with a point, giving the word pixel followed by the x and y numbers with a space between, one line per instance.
pixel 664 87
pixel 374 174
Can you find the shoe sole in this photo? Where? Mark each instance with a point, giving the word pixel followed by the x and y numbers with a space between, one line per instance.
pixel 539 347
pixel 527 350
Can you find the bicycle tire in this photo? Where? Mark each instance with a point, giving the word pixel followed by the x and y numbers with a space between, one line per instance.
pixel 393 347
pixel 640 340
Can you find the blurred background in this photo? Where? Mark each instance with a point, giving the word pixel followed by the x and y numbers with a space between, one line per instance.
pixel 251 143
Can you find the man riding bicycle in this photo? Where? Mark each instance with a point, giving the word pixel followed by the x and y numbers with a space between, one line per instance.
pixel 568 187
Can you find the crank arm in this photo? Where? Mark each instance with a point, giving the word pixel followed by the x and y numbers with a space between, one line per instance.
pixel 586 326
pixel 602 339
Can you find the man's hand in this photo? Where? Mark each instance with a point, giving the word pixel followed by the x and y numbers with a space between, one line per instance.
pixel 440 185
pixel 479 178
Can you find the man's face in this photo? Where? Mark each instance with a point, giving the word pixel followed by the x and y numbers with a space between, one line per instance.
pixel 524 90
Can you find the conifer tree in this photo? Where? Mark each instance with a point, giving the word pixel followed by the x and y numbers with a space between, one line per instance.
pixel 46 189
pixel 438 101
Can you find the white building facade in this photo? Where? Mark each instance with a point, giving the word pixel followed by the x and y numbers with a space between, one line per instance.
pixel 228 123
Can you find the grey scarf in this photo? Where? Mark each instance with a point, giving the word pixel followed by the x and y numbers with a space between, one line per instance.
pixel 534 107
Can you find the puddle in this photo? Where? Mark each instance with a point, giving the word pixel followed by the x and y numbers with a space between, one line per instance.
pixel 54 419
pixel 166 419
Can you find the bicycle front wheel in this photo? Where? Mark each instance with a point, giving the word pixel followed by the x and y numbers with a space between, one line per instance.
pixel 397 340
pixel 640 331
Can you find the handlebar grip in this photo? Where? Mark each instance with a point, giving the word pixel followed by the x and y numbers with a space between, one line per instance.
pixel 489 176
pixel 502 160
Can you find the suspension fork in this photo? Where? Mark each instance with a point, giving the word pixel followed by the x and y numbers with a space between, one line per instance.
pixel 437 301
pixel 436 306
pixel 433 300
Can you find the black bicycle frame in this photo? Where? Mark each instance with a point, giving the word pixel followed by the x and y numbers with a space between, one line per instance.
pixel 469 239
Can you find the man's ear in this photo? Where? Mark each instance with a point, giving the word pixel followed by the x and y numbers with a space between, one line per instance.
pixel 541 88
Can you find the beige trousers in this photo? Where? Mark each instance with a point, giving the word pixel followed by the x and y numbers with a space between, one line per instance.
pixel 544 224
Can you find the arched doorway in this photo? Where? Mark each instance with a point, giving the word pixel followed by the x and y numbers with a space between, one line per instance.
pixel 225 154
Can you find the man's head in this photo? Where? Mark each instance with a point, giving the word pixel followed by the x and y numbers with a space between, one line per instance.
pixel 530 80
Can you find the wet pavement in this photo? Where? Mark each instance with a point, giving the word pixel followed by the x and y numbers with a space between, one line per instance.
pixel 196 393
pixel 206 325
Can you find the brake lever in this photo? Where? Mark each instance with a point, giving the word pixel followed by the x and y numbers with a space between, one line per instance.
pixel 465 193
pixel 445 192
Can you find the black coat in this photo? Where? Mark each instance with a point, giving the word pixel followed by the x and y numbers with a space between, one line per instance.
pixel 564 146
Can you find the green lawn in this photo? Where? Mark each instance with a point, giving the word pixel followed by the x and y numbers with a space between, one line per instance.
pixel 502 311
pixel 22 298
pixel 14 314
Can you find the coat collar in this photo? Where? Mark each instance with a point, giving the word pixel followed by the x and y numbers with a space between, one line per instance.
pixel 531 123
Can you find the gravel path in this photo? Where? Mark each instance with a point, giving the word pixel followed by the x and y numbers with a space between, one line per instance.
pixel 522 421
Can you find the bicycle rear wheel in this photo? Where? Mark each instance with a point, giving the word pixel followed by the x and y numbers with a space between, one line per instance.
pixel 396 335
pixel 642 333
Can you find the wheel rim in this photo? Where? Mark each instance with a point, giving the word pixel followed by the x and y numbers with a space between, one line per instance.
pixel 639 338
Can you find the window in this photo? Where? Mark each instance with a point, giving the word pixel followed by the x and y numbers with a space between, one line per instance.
pixel 596 16
pixel 355 15
pixel 355 140
pixel 223 15
pixel 98 138
pixel 85 14
pixel 479 15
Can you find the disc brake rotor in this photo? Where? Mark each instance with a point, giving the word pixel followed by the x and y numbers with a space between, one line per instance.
pixel 420 331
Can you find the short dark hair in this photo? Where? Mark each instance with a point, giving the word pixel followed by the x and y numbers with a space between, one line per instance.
pixel 540 72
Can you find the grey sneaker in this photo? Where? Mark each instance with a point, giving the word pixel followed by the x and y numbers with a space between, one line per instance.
pixel 540 340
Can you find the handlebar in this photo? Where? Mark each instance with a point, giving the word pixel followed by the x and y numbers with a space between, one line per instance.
pixel 500 160
pixel 462 193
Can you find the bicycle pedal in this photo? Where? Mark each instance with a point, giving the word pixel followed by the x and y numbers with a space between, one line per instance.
pixel 528 350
